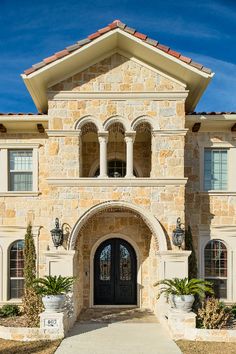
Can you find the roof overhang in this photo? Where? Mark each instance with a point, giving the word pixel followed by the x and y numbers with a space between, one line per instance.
pixel 38 82
pixel 24 123
pixel 211 122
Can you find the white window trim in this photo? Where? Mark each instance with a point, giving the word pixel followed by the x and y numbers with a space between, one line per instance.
pixel 203 241
pixel 231 171
pixel 9 269
pixel 4 177
pixel 8 235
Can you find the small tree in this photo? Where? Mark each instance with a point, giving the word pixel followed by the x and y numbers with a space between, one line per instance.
pixel 32 303
pixel 29 258
pixel 192 260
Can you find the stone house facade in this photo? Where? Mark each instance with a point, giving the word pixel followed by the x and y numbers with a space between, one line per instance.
pixel 116 154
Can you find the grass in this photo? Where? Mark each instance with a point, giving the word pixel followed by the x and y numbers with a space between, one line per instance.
pixel 39 347
pixel 192 347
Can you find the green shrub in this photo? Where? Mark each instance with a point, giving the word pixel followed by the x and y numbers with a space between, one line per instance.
pixel 53 285
pixel 233 310
pixel 213 314
pixel 31 302
pixel 184 286
pixel 9 311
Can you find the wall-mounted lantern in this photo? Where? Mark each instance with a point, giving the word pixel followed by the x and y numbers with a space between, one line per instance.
pixel 178 233
pixel 57 234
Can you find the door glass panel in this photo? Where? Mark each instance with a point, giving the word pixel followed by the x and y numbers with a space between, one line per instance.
pixel 125 264
pixel 105 263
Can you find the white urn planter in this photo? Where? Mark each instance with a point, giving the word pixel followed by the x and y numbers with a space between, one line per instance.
pixel 54 303
pixel 182 303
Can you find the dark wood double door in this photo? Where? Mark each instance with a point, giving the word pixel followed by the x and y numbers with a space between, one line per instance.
pixel 115 273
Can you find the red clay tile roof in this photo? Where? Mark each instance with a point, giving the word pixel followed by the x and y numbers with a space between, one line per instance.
pixel 116 24
pixel 21 114
pixel 208 113
pixel 188 114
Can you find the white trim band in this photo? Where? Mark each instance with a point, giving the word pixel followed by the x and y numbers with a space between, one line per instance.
pixel 71 95
pixel 117 182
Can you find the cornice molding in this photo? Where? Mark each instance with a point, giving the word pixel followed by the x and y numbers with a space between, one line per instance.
pixel 170 132
pixel 156 96
pixel 115 182
pixel 73 132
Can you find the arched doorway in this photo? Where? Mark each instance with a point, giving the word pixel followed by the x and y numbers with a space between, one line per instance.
pixel 115 273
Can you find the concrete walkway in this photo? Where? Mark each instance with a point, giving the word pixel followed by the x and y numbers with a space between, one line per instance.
pixel 127 336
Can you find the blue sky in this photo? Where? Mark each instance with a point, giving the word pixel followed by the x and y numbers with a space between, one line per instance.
pixel 202 29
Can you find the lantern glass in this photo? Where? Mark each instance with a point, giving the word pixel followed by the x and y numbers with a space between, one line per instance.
pixel 57 234
pixel 178 234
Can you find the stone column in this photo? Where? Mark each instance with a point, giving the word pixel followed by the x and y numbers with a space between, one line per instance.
pixel 80 153
pixel 129 139
pixel 103 138
pixel 154 156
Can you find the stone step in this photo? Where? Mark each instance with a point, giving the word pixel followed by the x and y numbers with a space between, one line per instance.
pixel 111 315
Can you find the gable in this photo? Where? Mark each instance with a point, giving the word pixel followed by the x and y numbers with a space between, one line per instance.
pixel 116 37
pixel 118 74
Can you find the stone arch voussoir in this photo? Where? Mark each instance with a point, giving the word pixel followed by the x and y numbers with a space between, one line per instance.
pixel 117 119
pixel 150 220
pixel 144 119
pixel 88 119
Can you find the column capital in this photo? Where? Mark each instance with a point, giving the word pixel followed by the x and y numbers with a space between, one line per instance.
pixel 103 133
pixel 129 136
pixel 102 137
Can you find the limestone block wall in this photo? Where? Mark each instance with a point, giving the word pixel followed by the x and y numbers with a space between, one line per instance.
pixel 118 73
pixel 167 150
pixel 207 210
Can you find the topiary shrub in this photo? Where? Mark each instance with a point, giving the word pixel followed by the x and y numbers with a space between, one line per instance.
pixel 213 314
pixel 31 301
pixel 9 311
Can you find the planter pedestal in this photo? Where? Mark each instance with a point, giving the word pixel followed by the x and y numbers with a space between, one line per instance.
pixel 179 322
pixel 54 322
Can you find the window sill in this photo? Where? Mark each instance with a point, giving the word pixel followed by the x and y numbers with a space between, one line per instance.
pixel 213 192
pixel 19 194
pixel 11 301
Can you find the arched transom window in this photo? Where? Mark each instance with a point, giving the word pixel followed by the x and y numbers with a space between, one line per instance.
pixel 17 270
pixel 215 259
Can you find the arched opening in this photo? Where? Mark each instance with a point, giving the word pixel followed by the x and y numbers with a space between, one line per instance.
pixel 216 267
pixel 115 273
pixel 116 150
pixel 111 221
pixel 142 148
pixel 89 148
pixel 16 269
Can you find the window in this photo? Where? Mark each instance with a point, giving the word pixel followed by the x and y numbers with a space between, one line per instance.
pixel 215 169
pixel 20 170
pixel 16 270
pixel 116 168
pixel 215 259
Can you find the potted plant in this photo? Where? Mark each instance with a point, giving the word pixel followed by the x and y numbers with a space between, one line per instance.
pixel 53 290
pixel 181 292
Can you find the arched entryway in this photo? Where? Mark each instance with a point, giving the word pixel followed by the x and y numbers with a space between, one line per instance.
pixel 125 221
pixel 115 273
